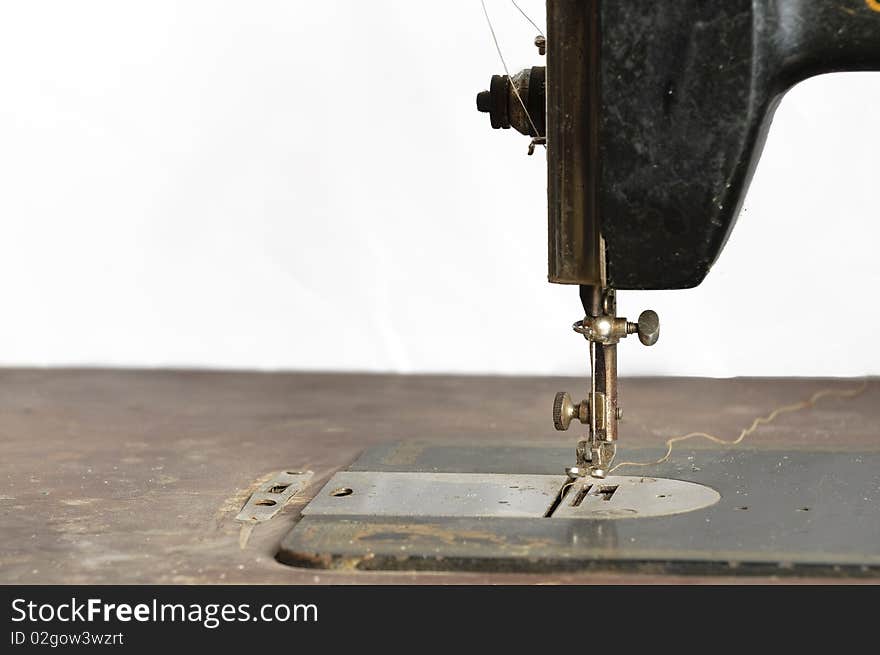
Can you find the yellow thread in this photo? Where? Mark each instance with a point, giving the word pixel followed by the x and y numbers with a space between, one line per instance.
pixel 873 4
pixel 564 490
pixel 761 420
pixel 540 31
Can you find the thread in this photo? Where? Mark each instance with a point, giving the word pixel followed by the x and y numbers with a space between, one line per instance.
pixel 526 16
pixel 507 72
pixel 759 421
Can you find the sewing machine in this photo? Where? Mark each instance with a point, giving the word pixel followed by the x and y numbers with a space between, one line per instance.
pixel 653 116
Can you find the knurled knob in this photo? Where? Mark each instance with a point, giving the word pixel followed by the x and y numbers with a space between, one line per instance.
pixel 563 411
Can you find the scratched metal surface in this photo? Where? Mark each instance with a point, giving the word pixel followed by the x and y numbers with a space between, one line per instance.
pixel 504 495
pixel 781 511
pixel 135 477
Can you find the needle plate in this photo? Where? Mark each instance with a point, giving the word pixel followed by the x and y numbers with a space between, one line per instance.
pixel 415 494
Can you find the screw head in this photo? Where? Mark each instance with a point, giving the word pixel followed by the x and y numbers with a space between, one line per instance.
pixel 541 44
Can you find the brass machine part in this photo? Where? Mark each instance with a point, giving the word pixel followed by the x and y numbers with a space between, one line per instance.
pixel 603 329
pixel 576 245
pixel 565 410
pixel 575 248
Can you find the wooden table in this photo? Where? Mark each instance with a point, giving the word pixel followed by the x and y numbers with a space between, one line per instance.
pixel 116 476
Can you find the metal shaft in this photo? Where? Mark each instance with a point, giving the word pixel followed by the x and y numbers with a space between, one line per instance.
pixel 603 329
pixel 603 380
pixel 609 375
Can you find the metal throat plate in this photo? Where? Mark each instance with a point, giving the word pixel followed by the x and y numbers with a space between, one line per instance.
pixel 472 495
pixel 762 511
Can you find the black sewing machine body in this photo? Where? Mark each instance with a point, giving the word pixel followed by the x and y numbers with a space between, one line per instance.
pixel 656 115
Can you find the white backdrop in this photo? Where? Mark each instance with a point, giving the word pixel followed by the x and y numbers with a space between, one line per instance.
pixel 307 185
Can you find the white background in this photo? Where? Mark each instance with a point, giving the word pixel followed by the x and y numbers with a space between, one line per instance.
pixel 307 185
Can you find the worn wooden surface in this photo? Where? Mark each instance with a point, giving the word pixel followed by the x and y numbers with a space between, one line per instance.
pixel 135 476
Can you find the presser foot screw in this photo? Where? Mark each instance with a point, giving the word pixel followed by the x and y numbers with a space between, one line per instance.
pixel 565 410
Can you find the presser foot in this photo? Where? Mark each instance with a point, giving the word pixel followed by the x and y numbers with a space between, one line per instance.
pixel 593 461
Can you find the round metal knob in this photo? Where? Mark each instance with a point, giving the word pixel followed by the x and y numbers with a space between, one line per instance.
pixel 649 327
pixel 563 411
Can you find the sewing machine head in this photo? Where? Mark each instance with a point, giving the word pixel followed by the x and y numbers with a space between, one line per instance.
pixel 654 116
